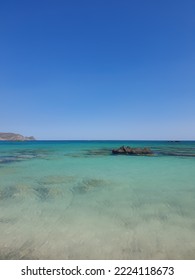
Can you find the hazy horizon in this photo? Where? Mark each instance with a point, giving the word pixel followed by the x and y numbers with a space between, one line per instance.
pixel 101 139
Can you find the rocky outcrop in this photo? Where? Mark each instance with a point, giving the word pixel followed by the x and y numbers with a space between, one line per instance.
pixel 174 141
pixel 126 150
pixel 14 137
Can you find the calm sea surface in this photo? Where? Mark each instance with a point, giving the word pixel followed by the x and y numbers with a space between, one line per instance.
pixel 75 200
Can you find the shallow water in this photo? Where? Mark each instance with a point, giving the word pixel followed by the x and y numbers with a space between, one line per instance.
pixel 75 200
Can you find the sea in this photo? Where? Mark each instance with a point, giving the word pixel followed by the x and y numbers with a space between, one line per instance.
pixel 75 200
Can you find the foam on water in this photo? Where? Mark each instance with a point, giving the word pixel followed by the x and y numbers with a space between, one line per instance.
pixel 75 200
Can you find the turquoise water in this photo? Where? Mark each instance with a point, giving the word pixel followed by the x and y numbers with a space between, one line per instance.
pixel 75 200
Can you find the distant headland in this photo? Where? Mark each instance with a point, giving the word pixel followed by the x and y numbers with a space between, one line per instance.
pixel 4 136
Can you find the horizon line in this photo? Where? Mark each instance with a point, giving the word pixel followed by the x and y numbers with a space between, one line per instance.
pixel 172 140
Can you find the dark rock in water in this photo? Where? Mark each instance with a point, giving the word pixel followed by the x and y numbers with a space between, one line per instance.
pixel 126 150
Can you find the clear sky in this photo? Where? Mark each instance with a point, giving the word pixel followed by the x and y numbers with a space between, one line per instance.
pixel 98 69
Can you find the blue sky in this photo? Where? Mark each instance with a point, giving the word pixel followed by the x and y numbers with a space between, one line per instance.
pixel 98 69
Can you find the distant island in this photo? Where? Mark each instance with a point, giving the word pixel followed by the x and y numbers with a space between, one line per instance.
pixel 14 137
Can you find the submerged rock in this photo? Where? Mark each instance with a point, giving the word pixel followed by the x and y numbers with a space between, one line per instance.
pixel 87 185
pixel 126 150
pixel 174 141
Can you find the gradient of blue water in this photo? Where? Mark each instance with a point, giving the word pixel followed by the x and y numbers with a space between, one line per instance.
pixel 75 200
